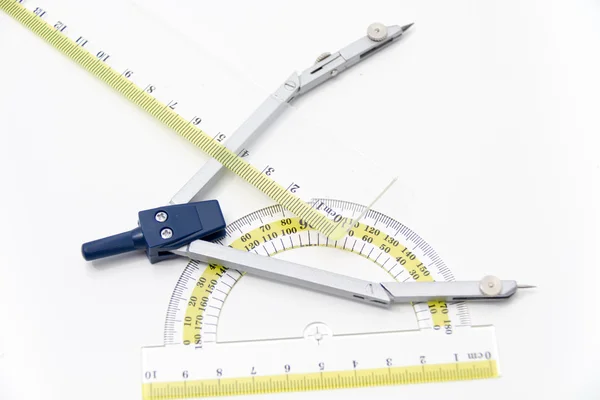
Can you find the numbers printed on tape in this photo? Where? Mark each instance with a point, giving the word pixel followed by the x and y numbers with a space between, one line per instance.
pixel 165 113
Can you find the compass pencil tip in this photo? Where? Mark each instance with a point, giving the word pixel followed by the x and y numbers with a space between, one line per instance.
pixel 406 27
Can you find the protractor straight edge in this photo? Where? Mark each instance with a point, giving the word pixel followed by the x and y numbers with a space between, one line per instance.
pixel 197 302
pixel 99 67
pixel 308 364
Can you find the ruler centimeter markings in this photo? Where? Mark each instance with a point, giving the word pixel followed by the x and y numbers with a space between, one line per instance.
pixel 95 64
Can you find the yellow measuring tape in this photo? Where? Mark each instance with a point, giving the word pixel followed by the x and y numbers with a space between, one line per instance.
pixel 166 115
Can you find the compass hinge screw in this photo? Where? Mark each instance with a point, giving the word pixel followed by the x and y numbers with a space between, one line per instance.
pixel 490 285
pixel 161 216
pixel 166 233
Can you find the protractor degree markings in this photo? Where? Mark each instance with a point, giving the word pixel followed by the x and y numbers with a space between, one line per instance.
pixel 300 240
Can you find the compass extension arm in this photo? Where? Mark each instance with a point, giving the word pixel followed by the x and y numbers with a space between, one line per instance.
pixel 380 294
pixel 488 288
pixel 326 67
pixel 286 272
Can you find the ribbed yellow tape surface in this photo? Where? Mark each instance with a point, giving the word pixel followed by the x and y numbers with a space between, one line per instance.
pixel 166 115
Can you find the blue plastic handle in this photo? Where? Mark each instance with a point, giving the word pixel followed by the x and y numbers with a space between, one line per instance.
pixel 113 245
pixel 161 230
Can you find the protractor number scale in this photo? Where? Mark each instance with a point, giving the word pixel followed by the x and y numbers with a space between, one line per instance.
pixel 391 246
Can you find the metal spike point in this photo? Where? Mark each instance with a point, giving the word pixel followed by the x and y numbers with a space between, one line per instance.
pixel 526 286
pixel 406 27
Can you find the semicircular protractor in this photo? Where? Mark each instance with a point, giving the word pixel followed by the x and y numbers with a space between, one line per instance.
pixel 377 247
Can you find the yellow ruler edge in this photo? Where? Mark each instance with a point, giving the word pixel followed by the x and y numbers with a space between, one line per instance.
pixel 467 370
pixel 164 114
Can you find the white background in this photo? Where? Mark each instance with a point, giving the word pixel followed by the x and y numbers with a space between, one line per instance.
pixel 488 111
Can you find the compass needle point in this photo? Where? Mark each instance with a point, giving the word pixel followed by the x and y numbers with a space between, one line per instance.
pixel 407 27
pixel 520 286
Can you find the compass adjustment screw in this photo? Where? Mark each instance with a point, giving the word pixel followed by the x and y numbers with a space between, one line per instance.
pixel 322 57
pixel 166 233
pixel 290 85
pixel 490 285
pixel 161 216
pixel 377 32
